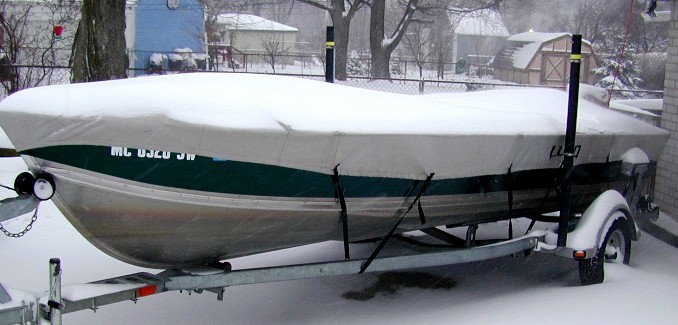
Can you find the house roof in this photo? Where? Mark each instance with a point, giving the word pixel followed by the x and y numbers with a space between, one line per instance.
pixel 484 22
pixel 522 47
pixel 252 23
pixel 535 37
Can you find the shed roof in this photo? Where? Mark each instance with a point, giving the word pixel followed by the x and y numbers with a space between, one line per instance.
pixel 522 47
pixel 252 22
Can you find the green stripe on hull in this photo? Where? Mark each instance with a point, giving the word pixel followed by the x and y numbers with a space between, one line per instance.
pixel 234 177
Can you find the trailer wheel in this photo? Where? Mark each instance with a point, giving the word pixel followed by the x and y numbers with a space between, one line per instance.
pixel 616 248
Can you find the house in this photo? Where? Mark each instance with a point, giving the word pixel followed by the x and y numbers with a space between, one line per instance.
pixel 478 36
pixel 542 59
pixel 254 35
pixel 35 34
pixel 164 34
pixel 666 187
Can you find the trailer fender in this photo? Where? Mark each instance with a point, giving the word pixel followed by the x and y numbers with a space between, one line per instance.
pixel 596 222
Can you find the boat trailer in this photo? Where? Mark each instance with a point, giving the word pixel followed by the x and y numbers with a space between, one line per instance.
pixel 608 216
pixel 217 277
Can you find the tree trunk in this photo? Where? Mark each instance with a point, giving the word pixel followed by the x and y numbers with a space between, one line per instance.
pixel 380 68
pixel 380 46
pixel 99 46
pixel 341 20
pixel 341 29
pixel 380 55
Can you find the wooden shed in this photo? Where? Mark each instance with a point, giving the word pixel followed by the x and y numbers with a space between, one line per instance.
pixel 252 34
pixel 542 59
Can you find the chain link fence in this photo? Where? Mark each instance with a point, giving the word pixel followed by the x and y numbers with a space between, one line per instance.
pixel 408 77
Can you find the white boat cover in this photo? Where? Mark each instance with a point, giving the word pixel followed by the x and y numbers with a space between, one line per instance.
pixel 315 126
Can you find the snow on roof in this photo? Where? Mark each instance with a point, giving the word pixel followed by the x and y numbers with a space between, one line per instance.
pixel 481 22
pixel 533 41
pixel 523 55
pixel 252 22
pixel 536 37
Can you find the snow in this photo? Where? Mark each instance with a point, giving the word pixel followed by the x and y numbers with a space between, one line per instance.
pixel 523 55
pixel 192 112
pixel 638 106
pixel 157 58
pixel 635 156
pixel 509 108
pixel 19 298
pixel 538 289
pixel 5 143
pixel 595 221
pixel 253 23
pixel 535 37
pixel 593 93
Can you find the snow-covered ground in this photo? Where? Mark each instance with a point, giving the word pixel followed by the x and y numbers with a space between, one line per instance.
pixel 539 289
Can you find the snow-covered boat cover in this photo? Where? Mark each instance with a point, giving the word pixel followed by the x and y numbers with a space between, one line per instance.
pixel 315 126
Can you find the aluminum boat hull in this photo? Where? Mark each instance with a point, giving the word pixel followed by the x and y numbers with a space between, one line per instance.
pixel 160 227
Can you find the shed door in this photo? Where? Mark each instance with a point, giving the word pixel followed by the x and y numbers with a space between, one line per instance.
pixel 554 70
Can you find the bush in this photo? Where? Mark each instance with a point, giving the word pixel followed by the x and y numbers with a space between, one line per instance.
pixel 651 68
pixel 355 66
pixel 627 77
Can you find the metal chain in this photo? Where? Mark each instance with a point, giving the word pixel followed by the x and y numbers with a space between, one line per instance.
pixel 27 229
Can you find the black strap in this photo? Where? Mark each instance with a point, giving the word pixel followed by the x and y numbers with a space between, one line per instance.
pixel 412 188
pixel 607 169
pixel 339 193
pixel 543 202
pixel 422 217
pixel 392 231
pixel 510 201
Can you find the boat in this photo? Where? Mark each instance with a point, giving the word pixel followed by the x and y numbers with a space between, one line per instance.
pixel 187 169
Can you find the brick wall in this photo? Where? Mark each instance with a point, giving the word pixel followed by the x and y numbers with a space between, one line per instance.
pixel 666 189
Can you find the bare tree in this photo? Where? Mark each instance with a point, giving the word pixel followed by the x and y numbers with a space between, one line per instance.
pixel 341 12
pixel 383 43
pixel 99 47
pixel 418 42
pixel 274 48
pixel 443 40
pixel 30 53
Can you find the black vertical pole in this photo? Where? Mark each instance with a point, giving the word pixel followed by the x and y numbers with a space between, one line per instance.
pixel 329 55
pixel 570 133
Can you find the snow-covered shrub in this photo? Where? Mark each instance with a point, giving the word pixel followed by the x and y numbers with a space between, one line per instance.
pixel 157 62
pixel 355 66
pixel 187 58
pixel 627 77
pixel 176 62
pixel 394 67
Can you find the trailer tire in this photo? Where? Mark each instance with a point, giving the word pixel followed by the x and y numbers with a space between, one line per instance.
pixel 616 247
